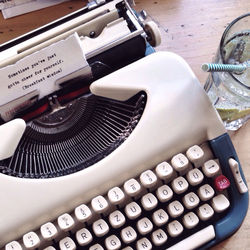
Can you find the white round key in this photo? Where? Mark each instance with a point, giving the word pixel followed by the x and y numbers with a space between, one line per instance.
pixel 65 222
pixel 116 196
pixel 164 170
pixel 148 179
pixel 48 231
pixel 100 227
pixel 205 212
pixel 175 209
pixel 164 193
pixel 14 245
pixel 144 226
pixel 83 213
pixel 190 220
pixel 180 162
pixel 179 185
pixel 191 200
pixel 195 176
pixel 117 219
pixel 149 201
pixel 160 217
pixel 133 210
pixel 220 203
pixel 159 237
pixel 112 243
pixel 205 192
pixel 210 168
pixel 67 244
pixel 83 237
pixel 143 244
pixel 99 204
pixel 175 228
pixel 96 247
pixel 132 187
pixel 49 248
pixel 31 240
pixel 195 154
pixel 128 235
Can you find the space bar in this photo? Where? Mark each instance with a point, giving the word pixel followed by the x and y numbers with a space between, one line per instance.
pixel 195 240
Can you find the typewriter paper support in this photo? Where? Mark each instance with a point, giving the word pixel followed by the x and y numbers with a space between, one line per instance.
pixel 104 33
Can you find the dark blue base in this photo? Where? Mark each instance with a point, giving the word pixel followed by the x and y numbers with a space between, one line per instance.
pixel 223 149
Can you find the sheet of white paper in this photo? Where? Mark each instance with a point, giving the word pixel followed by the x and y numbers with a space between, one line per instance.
pixel 11 3
pixel 39 71
pixel 28 7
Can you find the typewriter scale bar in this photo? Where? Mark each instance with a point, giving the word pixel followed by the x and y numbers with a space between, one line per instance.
pixel 162 121
pixel 100 18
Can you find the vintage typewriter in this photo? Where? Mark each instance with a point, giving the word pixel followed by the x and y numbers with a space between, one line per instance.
pixel 104 146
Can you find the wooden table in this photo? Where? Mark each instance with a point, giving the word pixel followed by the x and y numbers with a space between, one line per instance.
pixel 190 28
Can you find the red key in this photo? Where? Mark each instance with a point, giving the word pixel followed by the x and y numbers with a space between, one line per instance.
pixel 221 183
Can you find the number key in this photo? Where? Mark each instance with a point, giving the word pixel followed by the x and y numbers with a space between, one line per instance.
pixel 116 196
pixel 99 204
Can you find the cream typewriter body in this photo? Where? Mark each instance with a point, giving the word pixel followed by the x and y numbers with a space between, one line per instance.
pixel 83 156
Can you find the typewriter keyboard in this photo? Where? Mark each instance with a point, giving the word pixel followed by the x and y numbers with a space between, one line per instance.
pixel 173 205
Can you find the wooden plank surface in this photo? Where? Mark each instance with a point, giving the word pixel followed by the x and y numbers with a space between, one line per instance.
pixel 190 28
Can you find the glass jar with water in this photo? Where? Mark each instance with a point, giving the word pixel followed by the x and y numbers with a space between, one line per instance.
pixel 230 91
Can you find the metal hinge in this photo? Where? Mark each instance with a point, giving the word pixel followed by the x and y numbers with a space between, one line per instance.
pixel 95 3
